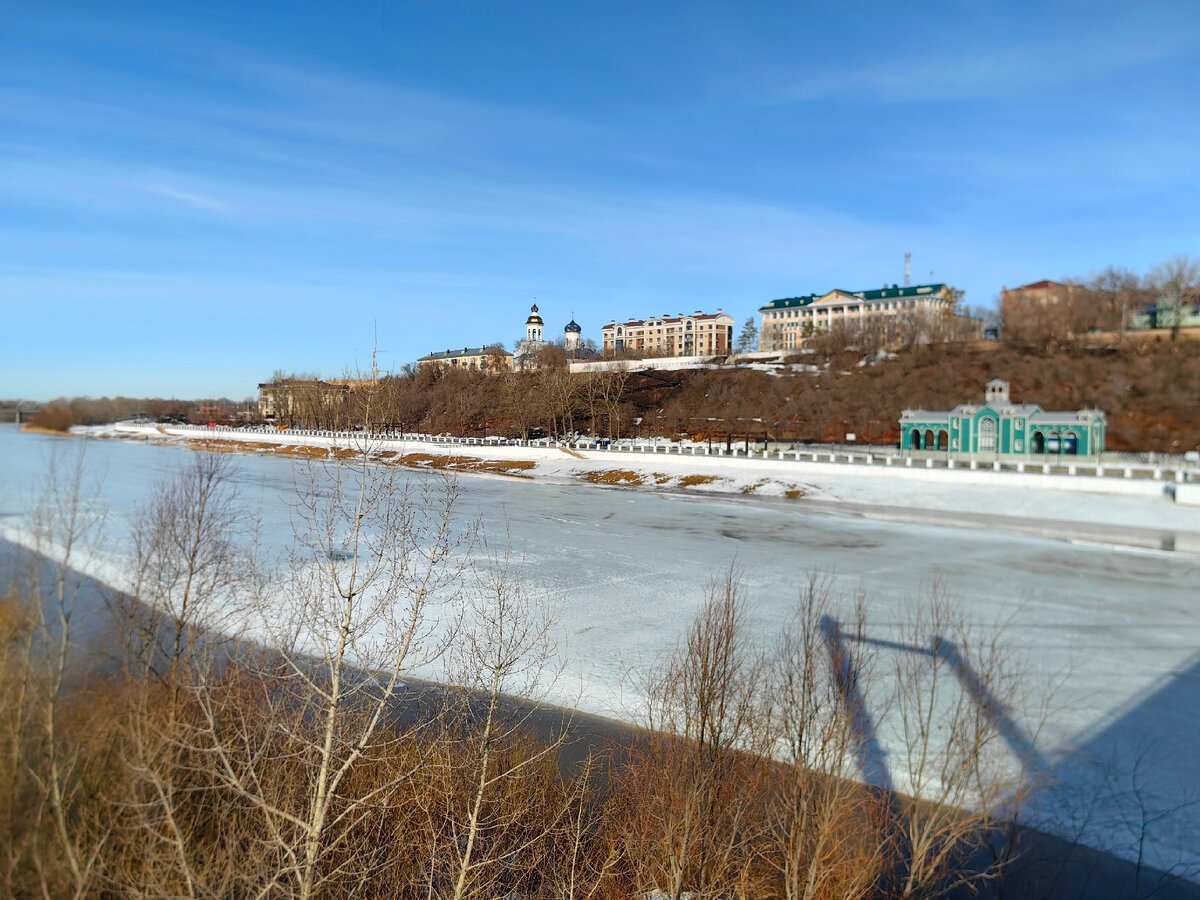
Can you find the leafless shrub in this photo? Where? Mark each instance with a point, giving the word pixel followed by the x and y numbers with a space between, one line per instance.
pixel 690 799
pixel 67 523
pixel 826 827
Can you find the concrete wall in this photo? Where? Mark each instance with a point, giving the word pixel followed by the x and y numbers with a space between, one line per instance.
pixel 1187 494
pixel 637 365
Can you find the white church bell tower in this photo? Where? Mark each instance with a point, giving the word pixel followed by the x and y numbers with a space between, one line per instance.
pixel 533 327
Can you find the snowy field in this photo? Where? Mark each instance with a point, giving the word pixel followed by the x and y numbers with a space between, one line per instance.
pixel 1111 633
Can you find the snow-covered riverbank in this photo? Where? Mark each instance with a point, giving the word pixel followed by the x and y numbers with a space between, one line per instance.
pixel 1134 512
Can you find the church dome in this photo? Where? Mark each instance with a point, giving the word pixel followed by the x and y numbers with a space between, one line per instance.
pixel 573 328
pixel 534 318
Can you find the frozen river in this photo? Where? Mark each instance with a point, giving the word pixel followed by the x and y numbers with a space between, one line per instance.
pixel 1117 631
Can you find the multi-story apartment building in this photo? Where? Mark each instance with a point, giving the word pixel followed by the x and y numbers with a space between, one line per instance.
pixel 1041 306
pixel 302 402
pixel 493 360
pixel 1018 300
pixel 787 322
pixel 700 334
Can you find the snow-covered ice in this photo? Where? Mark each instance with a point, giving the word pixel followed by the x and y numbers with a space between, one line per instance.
pixel 1115 631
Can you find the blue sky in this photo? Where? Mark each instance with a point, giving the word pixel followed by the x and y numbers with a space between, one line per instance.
pixel 195 195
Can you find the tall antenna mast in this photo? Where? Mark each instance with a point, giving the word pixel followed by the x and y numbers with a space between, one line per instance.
pixel 907 269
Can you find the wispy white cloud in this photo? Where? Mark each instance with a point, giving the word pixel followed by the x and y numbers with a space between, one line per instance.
pixel 1107 163
pixel 188 198
pixel 505 237
pixel 936 74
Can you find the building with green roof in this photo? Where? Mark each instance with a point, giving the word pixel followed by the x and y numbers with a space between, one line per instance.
pixel 788 321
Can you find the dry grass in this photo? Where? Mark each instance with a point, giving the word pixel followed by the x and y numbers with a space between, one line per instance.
pixel 751 488
pixel 695 480
pixel 38 429
pixel 614 476
pixel 510 467
pixel 207 445
pixel 660 478
pixel 218 445
pixel 305 451
pixel 793 493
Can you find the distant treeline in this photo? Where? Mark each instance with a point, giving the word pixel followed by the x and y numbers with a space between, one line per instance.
pixel 1107 301
pixel 63 412
pixel 1148 390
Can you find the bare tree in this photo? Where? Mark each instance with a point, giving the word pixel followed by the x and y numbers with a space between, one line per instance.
pixel 305 401
pixel 194 573
pixel 1114 292
pixel 953 691
pixel 501 666
pixel 378 557
pixel 193 561
pixel 585 857
pixel 687 800
pixel 496 359
pixel 611 390
pixel 917 327
pixel 1177 284
pixel 16 647
pixel 67 523
pixel 591 399
pixel 562 392
pixel 826 837
pixel 520 399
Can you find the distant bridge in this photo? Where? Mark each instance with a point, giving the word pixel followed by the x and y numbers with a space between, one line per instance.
pixel 19 410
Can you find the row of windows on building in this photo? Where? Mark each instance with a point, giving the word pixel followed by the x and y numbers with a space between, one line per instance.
pixel 1065 443
pixel 787 322
pixel 699 334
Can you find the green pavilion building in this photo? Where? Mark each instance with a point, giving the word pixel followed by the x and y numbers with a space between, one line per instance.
pixel 999 429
